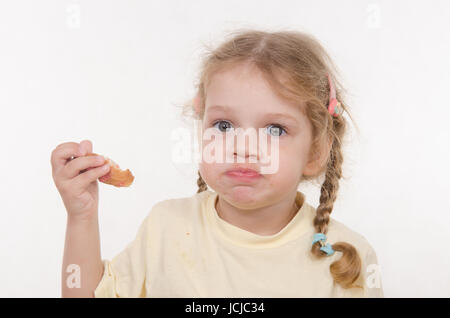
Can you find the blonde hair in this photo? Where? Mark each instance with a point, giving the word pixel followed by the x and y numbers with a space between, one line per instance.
pixel 296 66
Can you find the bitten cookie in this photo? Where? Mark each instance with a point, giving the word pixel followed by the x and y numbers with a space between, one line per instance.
pixel 116 176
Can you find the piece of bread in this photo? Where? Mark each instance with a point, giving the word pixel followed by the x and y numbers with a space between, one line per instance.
pixel 116 176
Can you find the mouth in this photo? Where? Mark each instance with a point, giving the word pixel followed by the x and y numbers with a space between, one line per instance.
pixel 243 174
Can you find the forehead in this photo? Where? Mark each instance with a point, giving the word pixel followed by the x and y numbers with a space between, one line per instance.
pixel 230 110
pixel 243 89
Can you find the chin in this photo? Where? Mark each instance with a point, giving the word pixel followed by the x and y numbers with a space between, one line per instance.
pixel 242 196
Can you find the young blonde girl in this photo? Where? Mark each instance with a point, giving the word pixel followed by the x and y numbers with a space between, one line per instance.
pixel 254 235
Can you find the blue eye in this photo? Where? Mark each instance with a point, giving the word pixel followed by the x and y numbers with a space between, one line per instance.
pixel 276 130
pixel 223 124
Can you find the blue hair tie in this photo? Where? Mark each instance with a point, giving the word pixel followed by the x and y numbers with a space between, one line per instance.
pixel 320 237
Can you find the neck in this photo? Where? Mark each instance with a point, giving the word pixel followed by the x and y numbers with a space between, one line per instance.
pixel 267 220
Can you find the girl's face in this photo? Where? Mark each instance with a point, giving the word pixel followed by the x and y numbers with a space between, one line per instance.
pixel 240 98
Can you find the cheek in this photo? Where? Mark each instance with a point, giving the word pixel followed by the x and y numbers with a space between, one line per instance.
pixel 209 172
pixel 213 149
pixel 292 159
pixel 206 169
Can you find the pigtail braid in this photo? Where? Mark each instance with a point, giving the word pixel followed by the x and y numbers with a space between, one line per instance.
pixel 202 186
pixel 346 270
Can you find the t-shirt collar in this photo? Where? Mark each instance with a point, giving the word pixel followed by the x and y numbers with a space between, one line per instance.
pixel 297 226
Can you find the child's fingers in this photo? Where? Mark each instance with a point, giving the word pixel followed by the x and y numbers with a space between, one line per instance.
pixel 91 175
pixel 62 153
pixel 86 146
pixel 77 165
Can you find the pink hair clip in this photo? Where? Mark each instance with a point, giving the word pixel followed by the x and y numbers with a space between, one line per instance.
pixel 334 107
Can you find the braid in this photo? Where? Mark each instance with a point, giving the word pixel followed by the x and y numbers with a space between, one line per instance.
pixel 202 186
pixel 346 270
pixel 328 191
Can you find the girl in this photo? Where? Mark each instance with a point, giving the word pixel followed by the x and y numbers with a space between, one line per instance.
pixel 244 233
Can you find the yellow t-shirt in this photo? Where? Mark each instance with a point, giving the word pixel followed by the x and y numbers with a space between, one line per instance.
pixel 184 249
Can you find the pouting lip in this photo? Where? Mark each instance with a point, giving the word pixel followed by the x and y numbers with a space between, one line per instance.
pixel 243 170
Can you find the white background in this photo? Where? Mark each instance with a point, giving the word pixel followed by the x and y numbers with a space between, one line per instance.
pixel 116 72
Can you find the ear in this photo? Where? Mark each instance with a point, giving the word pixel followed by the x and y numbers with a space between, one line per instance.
pixel 197 104
pixel 316 164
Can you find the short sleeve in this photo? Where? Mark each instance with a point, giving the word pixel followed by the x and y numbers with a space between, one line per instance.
pixel 124 275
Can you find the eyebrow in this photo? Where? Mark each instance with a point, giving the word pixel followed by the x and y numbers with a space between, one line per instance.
pixel 227 109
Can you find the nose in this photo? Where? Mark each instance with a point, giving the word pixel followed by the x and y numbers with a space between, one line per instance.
pixel 246 145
